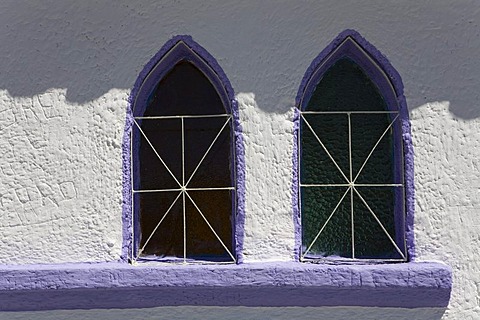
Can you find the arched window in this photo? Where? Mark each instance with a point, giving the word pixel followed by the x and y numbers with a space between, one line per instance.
pixel 351 158
pixel 183 160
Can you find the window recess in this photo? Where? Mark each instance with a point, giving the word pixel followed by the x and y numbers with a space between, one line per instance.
pixel 183 161
pixel 351 162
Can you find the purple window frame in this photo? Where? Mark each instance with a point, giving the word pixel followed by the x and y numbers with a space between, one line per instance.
pixel 180 48
pixel 390 86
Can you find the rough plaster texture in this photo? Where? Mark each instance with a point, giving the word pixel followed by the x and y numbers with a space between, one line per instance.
pixel 66 206
pixel 268 139
pixel 448 200
pixel 59 190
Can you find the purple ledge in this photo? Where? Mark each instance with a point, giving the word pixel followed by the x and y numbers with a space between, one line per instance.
pixel 120 285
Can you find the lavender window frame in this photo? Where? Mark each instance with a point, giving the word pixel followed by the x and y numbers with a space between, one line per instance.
pixel 180 48
pixel 351 44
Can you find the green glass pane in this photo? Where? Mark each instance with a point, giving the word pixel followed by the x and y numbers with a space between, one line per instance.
pixel 317 205
pixel 367 129
pixel 345 87
pixel 184 90
pixel 316 166
pixel 202 243
pixel 370 240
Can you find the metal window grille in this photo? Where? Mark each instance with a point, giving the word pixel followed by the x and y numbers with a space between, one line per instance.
pixel 182 201
pixel 350 213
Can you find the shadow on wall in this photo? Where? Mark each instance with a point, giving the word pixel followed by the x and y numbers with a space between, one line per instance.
pixel 263 48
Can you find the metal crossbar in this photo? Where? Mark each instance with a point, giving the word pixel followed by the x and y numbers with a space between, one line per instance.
pixel 183 187
pixel 326 222
pixel 324 148
pixel 379 222
pixel 158 225
pixel 186 116
pixel 158 156
pixel 349 112
pixel 210 226
pixel 351 180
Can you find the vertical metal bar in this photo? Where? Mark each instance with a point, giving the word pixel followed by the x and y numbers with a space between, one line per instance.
pixel 133 242
pixel 353 223
pixel 403 189
pixel 351 181
pixel 299 191
pixel 184 230
pixel 183 195
pixel 233 150
pixel 350 144
pixel 183 153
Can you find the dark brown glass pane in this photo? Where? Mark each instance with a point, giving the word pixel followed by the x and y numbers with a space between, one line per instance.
pixel 184 90
pixel 345 87
pixel 165 135
pixel 167 241
pixel 214 170
pixel 317 205
pixel 201 241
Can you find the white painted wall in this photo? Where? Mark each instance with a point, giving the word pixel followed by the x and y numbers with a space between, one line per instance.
pixel 67 67
pixel 61 185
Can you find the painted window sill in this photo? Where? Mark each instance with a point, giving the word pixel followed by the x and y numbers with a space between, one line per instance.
pixel 119 285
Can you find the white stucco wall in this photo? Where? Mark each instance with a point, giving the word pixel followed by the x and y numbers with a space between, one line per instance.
pixel 60 187
pixel 66 70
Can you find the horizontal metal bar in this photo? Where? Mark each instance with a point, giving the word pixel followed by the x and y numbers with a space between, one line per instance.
pixel 349 260
pixel 187 189
pixel 155 190
pixel 325 185
pixel 377 185
pixel 347 112
pixel 207 189
pixel 353 185
pixel 148 261
pixel 184 116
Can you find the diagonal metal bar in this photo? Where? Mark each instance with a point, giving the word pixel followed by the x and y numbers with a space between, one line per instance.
pixel 324 148
pixel 158 225
pixel 374 147
pixel 163 162
pixel 208 150
pixel 380 223
pixel 326 222
pixel 211 228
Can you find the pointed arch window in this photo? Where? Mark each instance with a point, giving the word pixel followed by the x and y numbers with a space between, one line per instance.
pixel 183 161
pixel 351 160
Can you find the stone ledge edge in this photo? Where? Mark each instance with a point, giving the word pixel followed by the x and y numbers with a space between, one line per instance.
pixel 120 285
